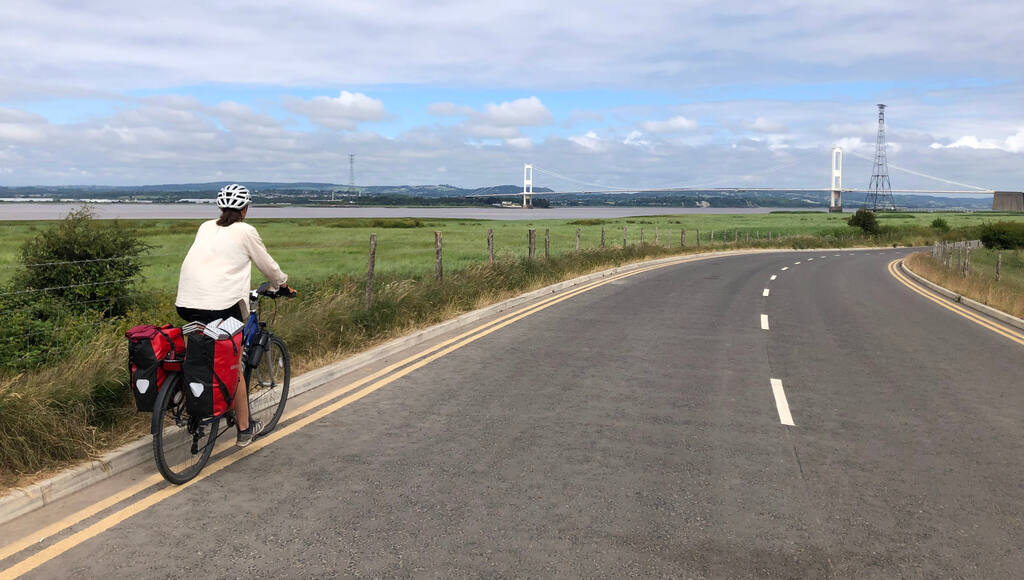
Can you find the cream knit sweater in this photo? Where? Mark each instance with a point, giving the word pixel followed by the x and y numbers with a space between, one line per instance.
pixel 216 273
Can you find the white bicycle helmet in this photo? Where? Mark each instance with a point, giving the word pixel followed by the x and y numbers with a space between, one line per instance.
pixel 233 196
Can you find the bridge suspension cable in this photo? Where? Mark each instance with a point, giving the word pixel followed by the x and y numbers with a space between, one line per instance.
pixel 926 176
pixel 566 178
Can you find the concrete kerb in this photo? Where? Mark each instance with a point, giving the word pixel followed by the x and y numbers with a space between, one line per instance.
pixel 960 299
pixel 21 501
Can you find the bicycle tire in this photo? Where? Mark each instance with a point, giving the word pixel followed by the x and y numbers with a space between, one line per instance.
pixel 268 393
pixel 179 452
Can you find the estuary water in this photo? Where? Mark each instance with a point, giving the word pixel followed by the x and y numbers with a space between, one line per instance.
pixel 53 211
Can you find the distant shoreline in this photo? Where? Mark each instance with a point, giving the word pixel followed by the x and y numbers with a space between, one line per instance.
pixel 32 211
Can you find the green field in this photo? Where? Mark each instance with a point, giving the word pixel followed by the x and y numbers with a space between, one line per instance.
pixel 311 250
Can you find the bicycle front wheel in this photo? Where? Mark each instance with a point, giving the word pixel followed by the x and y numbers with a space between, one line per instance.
pixel 182 442
pixel 268 384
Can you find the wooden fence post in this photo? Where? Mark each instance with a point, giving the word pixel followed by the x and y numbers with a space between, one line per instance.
pixel 533 243
pixel 999 265
pixel 769 236
pixel 748 237
pixel 439 270
pixel 682 238
pixel 641 236
pixel 578 231
pixel 490 246
pixel 698 238
pixel 602 236
pixel 623 236
pixel 547 243
pixel 656 239
pixel 712 241
pixel 369 270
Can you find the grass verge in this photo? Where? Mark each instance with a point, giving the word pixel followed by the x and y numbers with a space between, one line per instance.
pixel 980 284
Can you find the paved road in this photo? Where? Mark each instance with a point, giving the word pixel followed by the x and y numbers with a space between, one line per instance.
pixel 633 430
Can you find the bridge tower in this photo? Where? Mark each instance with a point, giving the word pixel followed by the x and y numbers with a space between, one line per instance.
pixel 528 185
pixel 835 203
pixel 879 197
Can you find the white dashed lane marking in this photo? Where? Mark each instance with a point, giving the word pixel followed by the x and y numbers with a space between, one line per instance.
pixel 797 263
pixel 774 276
pixel 785 267
pixel 765 293
pixel 781 404
pixel 764 322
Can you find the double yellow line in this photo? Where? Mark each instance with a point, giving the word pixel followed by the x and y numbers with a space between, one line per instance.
pixel 363 387
pixel 1008 332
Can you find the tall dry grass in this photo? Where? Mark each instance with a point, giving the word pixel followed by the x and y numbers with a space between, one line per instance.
pixel 980 287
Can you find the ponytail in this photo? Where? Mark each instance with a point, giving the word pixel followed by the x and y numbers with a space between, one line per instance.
pixel 228 217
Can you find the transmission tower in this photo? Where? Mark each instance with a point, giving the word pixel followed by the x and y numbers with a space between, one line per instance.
pixel 352 173
pixel 879 197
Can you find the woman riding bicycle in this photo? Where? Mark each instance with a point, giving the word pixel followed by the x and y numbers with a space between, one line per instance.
pixel 215 280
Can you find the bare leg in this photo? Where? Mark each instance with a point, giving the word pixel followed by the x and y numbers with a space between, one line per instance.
pixel 242 401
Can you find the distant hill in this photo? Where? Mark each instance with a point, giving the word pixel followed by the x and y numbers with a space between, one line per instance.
pixel 313 193
pixel 442 190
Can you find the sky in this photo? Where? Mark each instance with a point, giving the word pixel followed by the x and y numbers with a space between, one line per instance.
pixel 594 94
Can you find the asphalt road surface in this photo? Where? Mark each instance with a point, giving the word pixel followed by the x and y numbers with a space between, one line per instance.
pixel 635 430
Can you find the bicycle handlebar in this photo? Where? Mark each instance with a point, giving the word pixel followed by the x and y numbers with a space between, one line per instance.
pixel 283 292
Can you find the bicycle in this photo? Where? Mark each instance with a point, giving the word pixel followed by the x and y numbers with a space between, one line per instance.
pixel 182 442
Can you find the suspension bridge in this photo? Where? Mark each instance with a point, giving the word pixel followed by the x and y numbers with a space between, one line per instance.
pixel 1002 200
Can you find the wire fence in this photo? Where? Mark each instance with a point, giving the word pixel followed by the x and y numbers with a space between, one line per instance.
pixel 42 323
pixel 971 258
pixel 49 308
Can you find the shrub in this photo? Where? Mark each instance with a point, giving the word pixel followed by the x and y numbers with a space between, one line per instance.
pixel 1003 235
pixel 72 275
pixel 85 265
pixel 940 225
pixel 865 220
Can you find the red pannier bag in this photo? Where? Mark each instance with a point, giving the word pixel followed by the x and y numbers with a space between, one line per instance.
pixel 211 370
pixel 152 350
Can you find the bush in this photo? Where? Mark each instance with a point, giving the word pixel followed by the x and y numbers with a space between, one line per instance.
pixel 865 220
pixel 72 276
pixel 84 265
pixel 940 225
pixel 1003 235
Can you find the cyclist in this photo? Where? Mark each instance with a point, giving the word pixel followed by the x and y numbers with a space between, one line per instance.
pixel 215 280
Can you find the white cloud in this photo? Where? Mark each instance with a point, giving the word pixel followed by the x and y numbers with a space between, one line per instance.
pixel 591 142
pixel 473 44
pixel 636 138
pixel 1015 143
pixel 488 131
pixel 1011 144
pixel 344 112
pixel 529 112
pixel 865 128
pixel 18 126
pixel 496 121
pixel 763 125
pixel 673 125
pixel 520 142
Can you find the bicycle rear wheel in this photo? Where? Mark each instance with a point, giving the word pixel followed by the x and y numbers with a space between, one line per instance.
pixel 182 442
pixel 268 384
